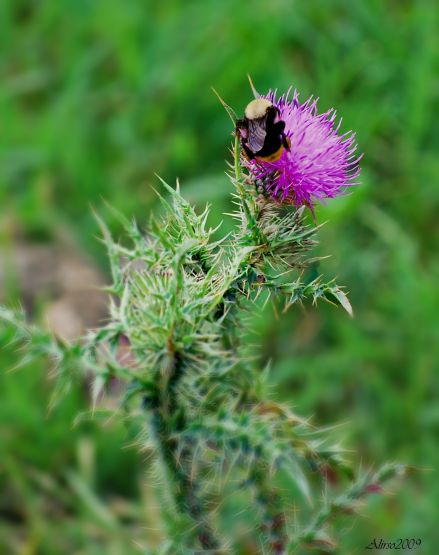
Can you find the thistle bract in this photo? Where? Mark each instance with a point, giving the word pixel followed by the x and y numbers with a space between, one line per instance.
pixel 320 163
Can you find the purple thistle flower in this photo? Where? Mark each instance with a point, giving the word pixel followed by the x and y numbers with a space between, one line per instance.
pixel 319 163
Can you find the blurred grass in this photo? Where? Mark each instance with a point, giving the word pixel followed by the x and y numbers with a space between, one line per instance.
pixel 97 96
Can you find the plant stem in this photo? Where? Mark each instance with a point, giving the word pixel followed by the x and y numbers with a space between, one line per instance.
pixel 238 181
pixel 169 419
pixel 273 523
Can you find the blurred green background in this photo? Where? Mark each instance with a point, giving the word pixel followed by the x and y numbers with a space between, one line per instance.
pixel 96 96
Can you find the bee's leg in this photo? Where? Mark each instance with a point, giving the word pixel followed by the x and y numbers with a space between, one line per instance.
pixel 286 141
pixel 279 127
pixel 241 128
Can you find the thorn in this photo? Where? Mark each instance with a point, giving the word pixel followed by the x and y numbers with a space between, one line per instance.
pixel 254 91
pixel 228 109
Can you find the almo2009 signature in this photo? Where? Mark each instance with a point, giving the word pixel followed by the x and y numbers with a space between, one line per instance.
pixel 400 543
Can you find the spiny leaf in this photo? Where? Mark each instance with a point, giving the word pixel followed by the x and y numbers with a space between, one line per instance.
pixel 341 298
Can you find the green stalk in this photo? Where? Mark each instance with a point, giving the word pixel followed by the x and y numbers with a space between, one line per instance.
pixel 167 420
pixel 238 181
pixel 273 518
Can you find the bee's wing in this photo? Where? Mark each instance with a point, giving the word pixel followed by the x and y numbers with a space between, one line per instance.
pixel 256 134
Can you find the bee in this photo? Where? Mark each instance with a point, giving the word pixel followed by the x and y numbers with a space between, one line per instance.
pixel 261 132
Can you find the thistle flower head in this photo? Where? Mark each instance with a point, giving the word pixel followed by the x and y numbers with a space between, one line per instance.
pixel 319 163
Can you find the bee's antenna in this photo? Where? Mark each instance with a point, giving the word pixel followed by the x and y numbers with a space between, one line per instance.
pixel 254 91
pixel 228 109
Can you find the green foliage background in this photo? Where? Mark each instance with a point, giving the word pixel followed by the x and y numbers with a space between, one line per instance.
pixel 97 96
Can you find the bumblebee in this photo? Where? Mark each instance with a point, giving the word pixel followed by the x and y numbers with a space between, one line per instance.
pixel 261 132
